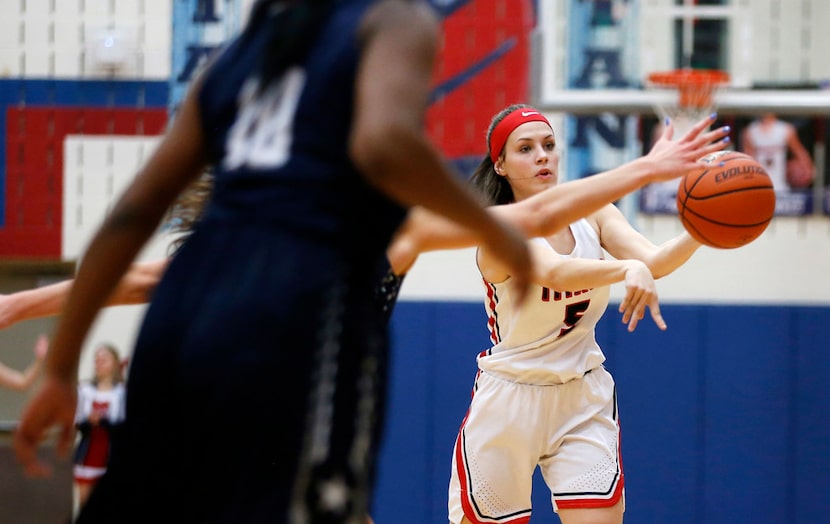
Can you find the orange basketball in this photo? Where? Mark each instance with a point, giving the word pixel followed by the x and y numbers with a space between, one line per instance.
pixel 729 204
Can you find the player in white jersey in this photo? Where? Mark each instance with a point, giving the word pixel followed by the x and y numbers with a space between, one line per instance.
pixel 529 343
pixel 770 141
pixel 542 396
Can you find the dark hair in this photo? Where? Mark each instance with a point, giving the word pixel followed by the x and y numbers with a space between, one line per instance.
pixel 298 23
pixel 494 187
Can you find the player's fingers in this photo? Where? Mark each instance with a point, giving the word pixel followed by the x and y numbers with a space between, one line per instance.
pixel 701 124
pixel 720 145
pixel 637 314
pixel 657 316
pixel 715 134
pixel 635 296
pixel 710 142
pixel 627 310
pixel 25 447
pixel 668 130
pixel 626 301
pixel 632 325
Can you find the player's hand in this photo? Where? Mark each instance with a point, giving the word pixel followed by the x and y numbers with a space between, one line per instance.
pixel 671 158
pixel 640 293
pixel 41 347
pixel 52 405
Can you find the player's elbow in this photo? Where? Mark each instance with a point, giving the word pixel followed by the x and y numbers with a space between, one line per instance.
pixel 553 275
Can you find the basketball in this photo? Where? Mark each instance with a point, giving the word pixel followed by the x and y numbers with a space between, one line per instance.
pixel 729 204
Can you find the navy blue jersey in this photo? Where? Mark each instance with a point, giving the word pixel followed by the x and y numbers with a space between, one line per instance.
pixel 257 384
pixel 282 154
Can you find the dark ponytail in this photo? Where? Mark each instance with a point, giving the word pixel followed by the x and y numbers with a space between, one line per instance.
pixel 493 188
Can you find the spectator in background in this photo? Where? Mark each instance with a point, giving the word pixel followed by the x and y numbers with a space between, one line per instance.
pixel 775 144
pixel 22 380
pixel 101 405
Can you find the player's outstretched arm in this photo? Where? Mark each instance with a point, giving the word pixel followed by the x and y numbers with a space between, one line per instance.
pixel 576 273
pixel 556 207
pixel 553 209
pixel 47 301
pixel 622 241
pixel 555 272
pixel 22 380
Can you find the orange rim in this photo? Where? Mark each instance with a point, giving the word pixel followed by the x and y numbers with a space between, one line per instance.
pixel 694 86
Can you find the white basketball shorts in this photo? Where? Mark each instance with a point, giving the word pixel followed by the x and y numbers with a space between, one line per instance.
pixel 571 431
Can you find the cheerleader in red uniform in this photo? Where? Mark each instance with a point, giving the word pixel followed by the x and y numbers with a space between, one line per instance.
pixel 100 409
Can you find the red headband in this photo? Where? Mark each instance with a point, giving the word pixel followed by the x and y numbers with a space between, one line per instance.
pixel 510 122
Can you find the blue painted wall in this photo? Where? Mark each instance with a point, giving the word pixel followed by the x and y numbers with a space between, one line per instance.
pixel 725 417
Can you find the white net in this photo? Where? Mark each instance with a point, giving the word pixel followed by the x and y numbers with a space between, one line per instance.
pixel 685 95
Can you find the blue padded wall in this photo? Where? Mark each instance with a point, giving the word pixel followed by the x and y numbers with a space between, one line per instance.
pixel 724 416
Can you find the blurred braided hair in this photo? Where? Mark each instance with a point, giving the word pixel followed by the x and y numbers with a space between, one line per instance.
pixel 187 210
pixel 299 22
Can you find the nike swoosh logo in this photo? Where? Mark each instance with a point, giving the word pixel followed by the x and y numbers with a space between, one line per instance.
pixel 528 113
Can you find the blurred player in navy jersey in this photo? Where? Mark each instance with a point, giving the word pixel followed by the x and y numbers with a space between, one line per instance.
pixel 257 383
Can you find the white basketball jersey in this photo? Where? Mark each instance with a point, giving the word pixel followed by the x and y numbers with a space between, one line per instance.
pixel 771 150
pixel 550 339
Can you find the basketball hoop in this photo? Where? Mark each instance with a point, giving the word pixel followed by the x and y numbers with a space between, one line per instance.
pixel 694 89
pixel 683 96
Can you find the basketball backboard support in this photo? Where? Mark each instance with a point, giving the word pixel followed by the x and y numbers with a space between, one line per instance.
pixel 732 101
pixel 758 42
